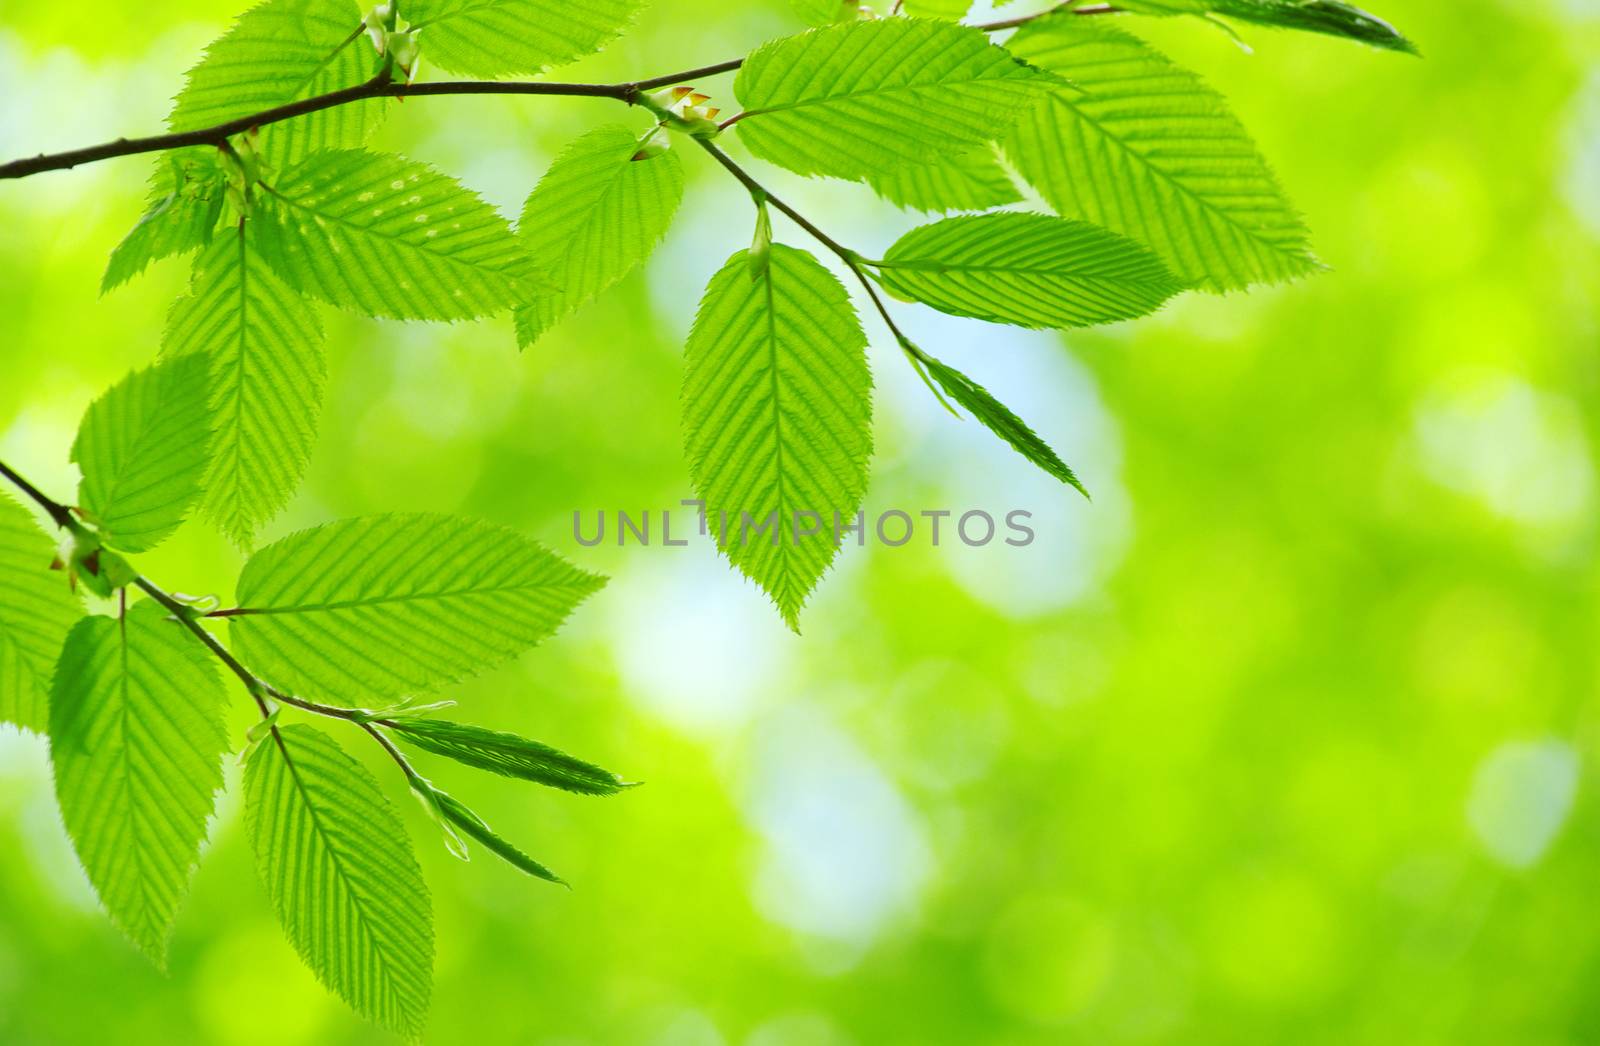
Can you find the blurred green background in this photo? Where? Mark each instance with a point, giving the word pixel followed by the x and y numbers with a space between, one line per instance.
pixel 1284 738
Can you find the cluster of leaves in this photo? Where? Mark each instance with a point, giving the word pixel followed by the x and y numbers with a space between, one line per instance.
pixel 372 610
pixel 1154 189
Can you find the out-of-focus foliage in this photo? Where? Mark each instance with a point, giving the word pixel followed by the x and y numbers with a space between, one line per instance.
pixel 1285 737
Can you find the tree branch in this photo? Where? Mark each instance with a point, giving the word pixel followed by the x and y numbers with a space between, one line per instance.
pixel 382 86
pixel 260 691
pixel 58 512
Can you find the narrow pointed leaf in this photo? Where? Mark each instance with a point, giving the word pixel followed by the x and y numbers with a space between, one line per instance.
pixel 507 755
pixel 1330 17
pixel 777 415
pixel 339 867
pixel 427 797
pixel 853 99
pixel 180 219
pixel 136 739
pixel 595 215
pixel 972 181
pixel 490 38
pixel 143 448
pixel 387 606
pixel 36 611
pixel 391 237
pixel 264 345
pixel 1145 148
pixel 1032 270
pixel 1000 420
pixel 276 53
pixel 462 817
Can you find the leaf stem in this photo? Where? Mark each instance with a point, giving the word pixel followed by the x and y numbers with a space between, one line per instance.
pixel 759 192
pixel 384 85
pixel 399 757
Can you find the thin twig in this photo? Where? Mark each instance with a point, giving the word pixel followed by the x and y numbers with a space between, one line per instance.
pixel 379 86
pixel 394 753
pixel 845 254
pixel 715 69
pixel 58 512
pixel 259 691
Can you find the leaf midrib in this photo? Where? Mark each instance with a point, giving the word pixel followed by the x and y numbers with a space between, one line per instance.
pixel 920 265
pixel 777 415
pixel 413 597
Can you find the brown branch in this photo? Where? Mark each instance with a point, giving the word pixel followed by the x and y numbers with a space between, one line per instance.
pixel 382 86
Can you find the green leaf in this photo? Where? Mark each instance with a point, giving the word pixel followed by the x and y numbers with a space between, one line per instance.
pixel 179 220
pixel 1000 420
pixel 490 38
pixel 428 797
pixel 1145 148
pixel 1330 17
pixel 265 348
pixel 386 606
pixel 825 12
pixel 598 212
pixel 390 237
pixel 473 825
pixel 507 755
pixel 143 451
pixel 343 878
pixel 972 181
pixel 137 738
pixel 777 415
pixel 277 53
pixel 949 10
pixel 850 100
pixel 36 611
pixel 1033 270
